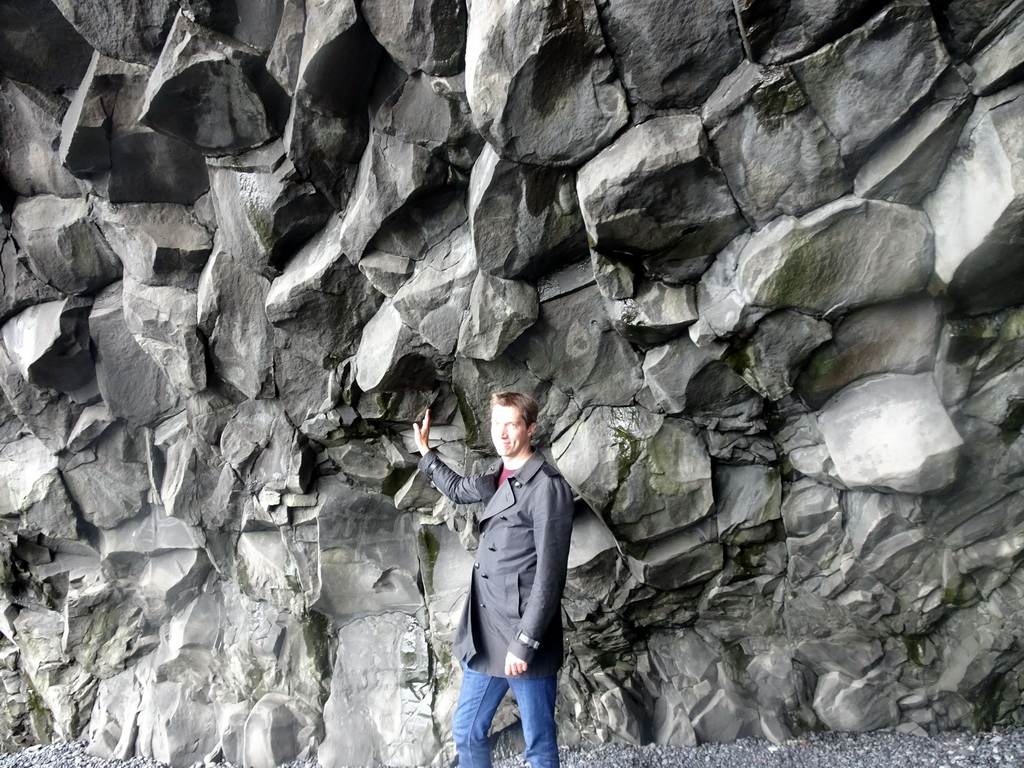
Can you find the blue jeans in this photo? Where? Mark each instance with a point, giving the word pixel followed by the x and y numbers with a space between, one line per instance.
pixel 478 701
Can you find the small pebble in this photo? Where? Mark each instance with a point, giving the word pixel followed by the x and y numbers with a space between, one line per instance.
pixel 829 750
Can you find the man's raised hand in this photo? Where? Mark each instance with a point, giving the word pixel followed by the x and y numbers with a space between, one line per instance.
pixel 421 433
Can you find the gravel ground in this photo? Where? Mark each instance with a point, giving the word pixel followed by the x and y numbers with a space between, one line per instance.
pixel 834 750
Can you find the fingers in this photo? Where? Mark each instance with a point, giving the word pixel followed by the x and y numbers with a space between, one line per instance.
pixel 421 433
pixel 514 665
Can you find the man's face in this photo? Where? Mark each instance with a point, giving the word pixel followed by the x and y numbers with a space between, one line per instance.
pixel 509 433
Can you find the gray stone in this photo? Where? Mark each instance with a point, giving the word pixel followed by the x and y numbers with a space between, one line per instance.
pixel 596 570
pixel 645 475
pixel 159 243
pixel 112 484
pixel 1000 62
pixel 305 376
pixel 320 290
pixel 977 208
pixel 49 345
pixel 85 130
pixel 391 173
pixel 132 384
pixel 445 571
pixel 265 449
pixel 746 496
pixel 850 653
pixel 174 723
pixel 31 119
pixel 846 254
pixel 265 213
pixel 327 127
pixel 63 246
pixel 368 555
pixel 390 357
pixel 525 219
pixel 285 55
pixel 20 287
pixel 112 725
pixel 563 281
pixel 239 338
pixel 738 610
pixel 45 413
pixel 430 111
pixel 91 423
pixel 968 26
pixel 725 716
pixel 892 337
pixel 336 40
pixel 772 358
pixel 279 729
pixel 499 312
pixel 435 300
pixel 655 313
pixel 205 90
pixel 325 148
pixel 254 22
pixel 274 567
pixel 32 490
pixel 39 46
pixel 692 674
pixel 146 534
pixel 776 32
pixel 656 192
pixel 850 82
pixel 908 165
pixel 614 277
pixel 386 272
pixel 591 362
pixel 392 684
pixel 362 463
pixel 891 432
pixel 164 322
pixel 427 35
pixel 853 705
pixel 420 224
pixel 773 148
pixel 684 378
pixel 130 31
pixel 687 48
pixel 103 141
pixel 540 81
pixel 678 559
pixel 899 553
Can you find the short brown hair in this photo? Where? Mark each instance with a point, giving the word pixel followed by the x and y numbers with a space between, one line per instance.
pixel 528 407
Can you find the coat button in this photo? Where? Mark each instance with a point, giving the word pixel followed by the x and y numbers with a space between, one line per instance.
pixel 493 548
pixel 476 565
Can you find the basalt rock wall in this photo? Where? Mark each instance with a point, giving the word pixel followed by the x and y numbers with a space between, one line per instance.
pixel 762 264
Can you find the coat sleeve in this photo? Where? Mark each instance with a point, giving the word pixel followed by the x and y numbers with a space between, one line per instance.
pixel 552 532
pixel 461 490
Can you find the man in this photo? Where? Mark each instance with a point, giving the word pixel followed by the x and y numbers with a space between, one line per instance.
pixel 510 633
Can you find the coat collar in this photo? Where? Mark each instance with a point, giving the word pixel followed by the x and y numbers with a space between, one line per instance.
pixel 505 497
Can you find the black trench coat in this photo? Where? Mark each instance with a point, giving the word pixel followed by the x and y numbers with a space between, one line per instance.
pixel 515 593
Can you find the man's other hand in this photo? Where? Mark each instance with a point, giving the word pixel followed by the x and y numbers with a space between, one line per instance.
pixel 421 433
pixel 514 665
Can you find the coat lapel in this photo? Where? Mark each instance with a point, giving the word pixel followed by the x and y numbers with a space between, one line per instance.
pixel 505 497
